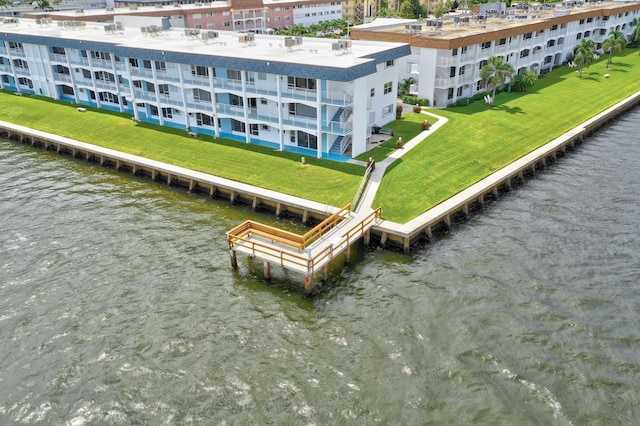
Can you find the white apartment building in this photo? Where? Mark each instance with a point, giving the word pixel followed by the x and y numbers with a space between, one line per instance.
pixel 448 54
pixel 318 97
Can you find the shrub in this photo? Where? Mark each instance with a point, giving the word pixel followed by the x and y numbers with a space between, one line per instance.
pixel 417 108
pixel 413 100
pixel 398 111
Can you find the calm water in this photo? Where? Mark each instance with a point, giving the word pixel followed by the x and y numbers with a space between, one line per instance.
pixel 118 306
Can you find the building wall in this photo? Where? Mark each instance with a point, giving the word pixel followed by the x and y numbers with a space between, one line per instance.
pixel 251 104
pixel 436 63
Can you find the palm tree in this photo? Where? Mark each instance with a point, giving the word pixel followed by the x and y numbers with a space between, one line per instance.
pixel 635 35
pixel 405 86
pixel 495 73
pixel 43 5
pixel 585 54
pixel 524 80
pixel 614 44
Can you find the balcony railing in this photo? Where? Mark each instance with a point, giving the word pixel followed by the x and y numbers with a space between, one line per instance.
pixel 337 127
pixel 444 83
pixel 234 110
pixel 17 53
pixel 62 77
pixel 79 61
pixel 57 57
pixel 200 106
pixel 302 122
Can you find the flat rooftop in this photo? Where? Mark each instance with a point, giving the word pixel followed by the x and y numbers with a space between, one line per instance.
pixel 312 51
pixel 459 25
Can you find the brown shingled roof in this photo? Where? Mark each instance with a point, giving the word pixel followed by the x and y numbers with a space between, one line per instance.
pixel 246 4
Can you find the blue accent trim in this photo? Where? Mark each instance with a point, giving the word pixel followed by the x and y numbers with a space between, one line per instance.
pixel 324 72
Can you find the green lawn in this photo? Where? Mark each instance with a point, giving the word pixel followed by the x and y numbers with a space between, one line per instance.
pixel 476 141
pixel 319 180
pixel 479 139
pixel 407 127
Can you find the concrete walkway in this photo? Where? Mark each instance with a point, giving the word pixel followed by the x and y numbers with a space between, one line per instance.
pixel 366 205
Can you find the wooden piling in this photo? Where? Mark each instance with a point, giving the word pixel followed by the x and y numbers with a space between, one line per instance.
pixel 234 259
pixel 267 270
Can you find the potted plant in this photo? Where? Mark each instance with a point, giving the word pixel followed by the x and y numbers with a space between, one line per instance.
pixel 425 125
pixel 417 108
pixel 399 143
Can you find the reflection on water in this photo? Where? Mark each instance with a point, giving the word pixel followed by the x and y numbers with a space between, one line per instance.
pixel 118 305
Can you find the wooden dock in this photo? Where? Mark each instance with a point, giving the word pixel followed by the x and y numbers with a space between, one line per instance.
pixel 306 253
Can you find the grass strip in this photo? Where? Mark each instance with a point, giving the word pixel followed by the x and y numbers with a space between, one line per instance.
pixel 479 140
pixel 324 181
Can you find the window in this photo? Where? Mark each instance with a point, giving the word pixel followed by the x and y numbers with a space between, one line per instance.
pixel 199 71
pixel 389 63
pixel 253 129
pixel 263 101
pixel 15 45
pixel 201 95
pixel 19 63
pixel 25 82
pixel 388 87
pixel 234 75
pixel 146 64
pixel 581 21
pixel 236 100
pixel 373 92
pixel 101 56
pixel 551 43
pixel 486 45
pixel 450 93
pixel 452 71
pixel 133 62
pixel 204 119
pixel 306 140
pixel 238 126
pixel 167 112
pixel 524 53
pixel 459 93
pixel 527 36
pixel 154 110
pixel 57 50
pixel 587 33
pixel 108 97
pixel 227 23
pixel 150 87
pixel 578 36
pixel 301 83
pixel 161 66
pixel 454 52
pixel 589 20
pixel 502 41
pixel 387 110
pixel 554 27
pixel 137 84
pixel 461 70
pixel 163 89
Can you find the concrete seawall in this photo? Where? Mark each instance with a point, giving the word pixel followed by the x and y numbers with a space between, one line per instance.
pixel 442 216
pixel 391 234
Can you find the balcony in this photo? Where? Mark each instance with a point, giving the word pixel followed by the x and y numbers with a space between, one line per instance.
pixel 200 106
pixel 106 84
pixel 301 122
pixel 22 71
pixel 17 53
pixel 232 110
pixel 79 61
pixel 337 127
pixel 66 78
pixel 445 83
pixel 448 61
pixel 56 57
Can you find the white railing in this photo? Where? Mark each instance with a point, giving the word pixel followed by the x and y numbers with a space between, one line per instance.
pixel 363 184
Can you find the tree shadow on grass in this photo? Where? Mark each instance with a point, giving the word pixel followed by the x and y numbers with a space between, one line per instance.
pixel 510 110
